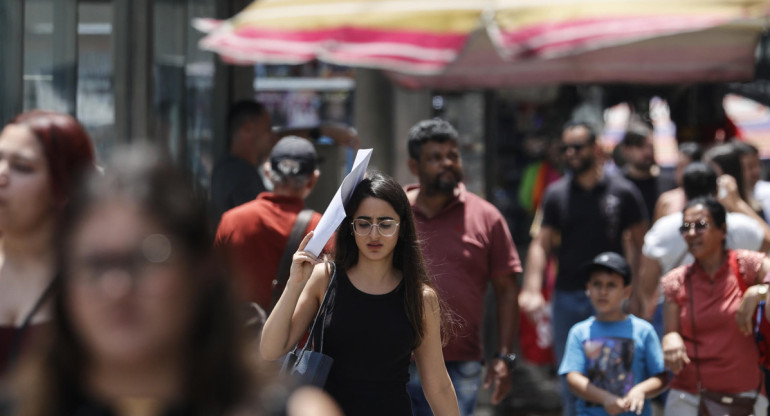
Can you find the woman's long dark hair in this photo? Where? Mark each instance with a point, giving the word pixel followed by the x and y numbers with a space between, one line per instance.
pixel 217 373
pixel 407 256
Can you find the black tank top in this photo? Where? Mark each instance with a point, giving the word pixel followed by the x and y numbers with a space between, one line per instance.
pixel 371 341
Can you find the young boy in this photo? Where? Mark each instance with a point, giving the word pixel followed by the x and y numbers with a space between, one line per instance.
pixel 612 361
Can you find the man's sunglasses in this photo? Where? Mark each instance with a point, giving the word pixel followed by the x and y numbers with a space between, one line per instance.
pixel 574 146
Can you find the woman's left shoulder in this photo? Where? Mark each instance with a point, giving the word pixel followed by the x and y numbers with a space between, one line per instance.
pixel 429 294
pixel 749 262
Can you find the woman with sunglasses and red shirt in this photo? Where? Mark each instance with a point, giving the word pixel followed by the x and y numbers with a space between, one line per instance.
pixel 707 315
pixel 384 308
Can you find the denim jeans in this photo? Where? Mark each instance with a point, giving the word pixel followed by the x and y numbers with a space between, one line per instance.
pixel 569 308
pixel 466 378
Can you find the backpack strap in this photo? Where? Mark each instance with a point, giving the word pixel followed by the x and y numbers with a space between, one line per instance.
pixel 282 275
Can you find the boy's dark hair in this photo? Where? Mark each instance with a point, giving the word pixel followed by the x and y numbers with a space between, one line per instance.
pixel 699 179
pixel 431 130
pixel 612 262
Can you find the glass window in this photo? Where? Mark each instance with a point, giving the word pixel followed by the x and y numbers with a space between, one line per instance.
pixel 199 94
pixel 39 91
pixel 95 73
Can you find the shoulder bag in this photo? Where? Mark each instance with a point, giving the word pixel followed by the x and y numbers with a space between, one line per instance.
pixel 309 365
pixel 282 275
pixel 713 403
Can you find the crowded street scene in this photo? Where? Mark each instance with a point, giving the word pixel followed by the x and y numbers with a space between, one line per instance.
pixel 384 207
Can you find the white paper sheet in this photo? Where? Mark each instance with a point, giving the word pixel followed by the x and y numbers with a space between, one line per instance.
pixel 335 212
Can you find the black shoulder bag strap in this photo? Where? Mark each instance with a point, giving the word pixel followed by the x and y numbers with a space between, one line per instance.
pixel 297 232
pixel 19 336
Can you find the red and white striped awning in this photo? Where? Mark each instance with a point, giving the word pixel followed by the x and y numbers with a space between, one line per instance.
pixel 466 43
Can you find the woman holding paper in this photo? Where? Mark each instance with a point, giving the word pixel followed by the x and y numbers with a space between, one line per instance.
pixel 384 308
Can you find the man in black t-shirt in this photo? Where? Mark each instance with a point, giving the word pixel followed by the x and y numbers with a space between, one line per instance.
pixel 640 167
pixel 590 211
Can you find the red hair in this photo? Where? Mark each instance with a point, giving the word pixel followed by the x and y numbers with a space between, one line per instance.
pixel 67 146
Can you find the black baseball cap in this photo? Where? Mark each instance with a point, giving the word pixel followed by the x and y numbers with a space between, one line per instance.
pixel 609 261
pixel 292 156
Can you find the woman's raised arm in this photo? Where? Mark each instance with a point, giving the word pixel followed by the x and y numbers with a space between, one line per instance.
pixel 298 304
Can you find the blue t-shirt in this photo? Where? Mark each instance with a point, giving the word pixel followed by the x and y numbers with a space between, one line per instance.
pixel 614 356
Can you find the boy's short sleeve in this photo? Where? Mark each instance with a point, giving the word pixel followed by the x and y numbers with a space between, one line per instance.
pixel 653 353
pixel 574 359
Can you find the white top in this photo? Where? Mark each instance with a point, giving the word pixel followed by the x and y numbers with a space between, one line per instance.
pixel 762 194
pixel 664 243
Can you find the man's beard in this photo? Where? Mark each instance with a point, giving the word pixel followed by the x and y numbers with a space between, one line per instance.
pixel 644 166
pixel 439 186
pixel 586 164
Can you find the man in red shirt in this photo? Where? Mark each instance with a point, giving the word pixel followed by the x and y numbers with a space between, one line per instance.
pixel 467 245
pixel 253 236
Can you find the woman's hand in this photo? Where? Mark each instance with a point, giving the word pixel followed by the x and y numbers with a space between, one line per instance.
pixel 674 352
pixel 744 316
pixel 302 263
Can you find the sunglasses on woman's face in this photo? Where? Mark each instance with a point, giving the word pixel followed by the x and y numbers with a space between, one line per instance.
pixel 698 226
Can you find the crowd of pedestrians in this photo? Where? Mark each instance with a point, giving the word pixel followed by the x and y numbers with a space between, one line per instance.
pixel 118 298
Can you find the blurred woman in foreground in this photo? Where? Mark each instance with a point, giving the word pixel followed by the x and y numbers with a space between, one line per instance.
pixel 144 321
pixel 41 155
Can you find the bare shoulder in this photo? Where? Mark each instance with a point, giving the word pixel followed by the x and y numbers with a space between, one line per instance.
pixel 429 298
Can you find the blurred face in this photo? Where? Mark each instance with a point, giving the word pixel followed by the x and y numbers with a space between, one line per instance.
pixel 440 167
pixel 376 228
pixel 703 238
pixel 26 198
pixel 752 170
pixel 641 157
pixel 128 292
pixel 263 139
pixel 607 292
pixel 579 152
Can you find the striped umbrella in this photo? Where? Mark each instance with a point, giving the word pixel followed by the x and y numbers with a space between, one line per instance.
pixel 427 41
pixel 415 36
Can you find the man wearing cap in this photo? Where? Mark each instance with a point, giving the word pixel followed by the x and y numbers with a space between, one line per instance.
pixel 613 361
pixel 253 236
pixel 236 178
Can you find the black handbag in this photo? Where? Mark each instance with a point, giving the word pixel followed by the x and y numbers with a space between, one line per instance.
pixel 714 403
pixel 309 365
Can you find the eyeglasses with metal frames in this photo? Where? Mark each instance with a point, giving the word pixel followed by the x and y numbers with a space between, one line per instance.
pixel 386 228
